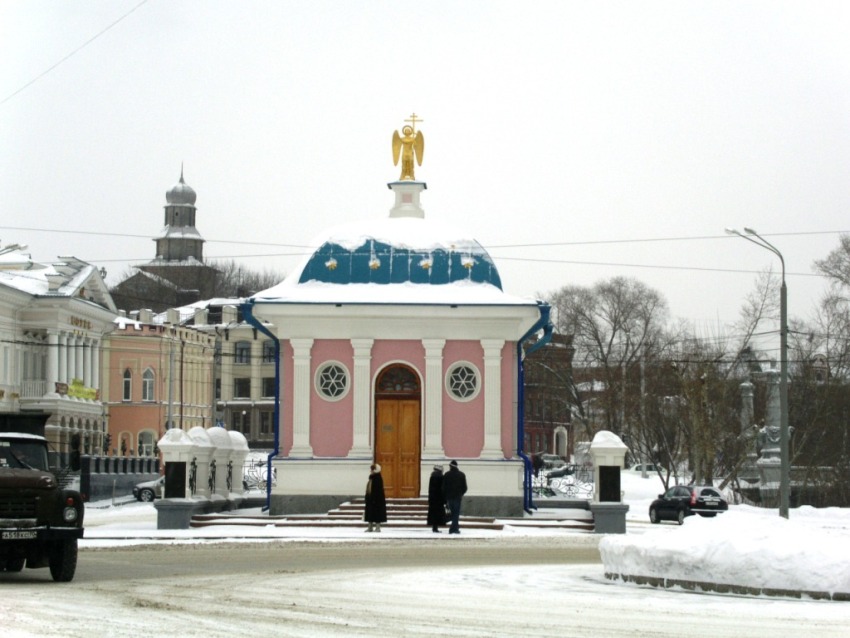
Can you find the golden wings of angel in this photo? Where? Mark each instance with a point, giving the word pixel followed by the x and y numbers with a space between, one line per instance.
pixel 407 146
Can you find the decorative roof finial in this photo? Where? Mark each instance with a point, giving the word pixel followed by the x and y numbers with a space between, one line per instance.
pixel 410 144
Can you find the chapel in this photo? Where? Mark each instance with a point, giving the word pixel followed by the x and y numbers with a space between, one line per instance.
pixel 398 345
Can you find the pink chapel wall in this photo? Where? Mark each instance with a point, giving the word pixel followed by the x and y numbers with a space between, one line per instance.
pixel 463 421
pixel 331 422
pixel 403 351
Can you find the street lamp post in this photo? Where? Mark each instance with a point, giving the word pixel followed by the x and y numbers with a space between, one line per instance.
pixel 785 466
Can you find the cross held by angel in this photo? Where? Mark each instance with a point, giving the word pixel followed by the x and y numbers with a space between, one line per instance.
pixel 409 145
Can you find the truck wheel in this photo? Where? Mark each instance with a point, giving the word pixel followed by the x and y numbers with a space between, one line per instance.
pixel 15 564
pixel 63 560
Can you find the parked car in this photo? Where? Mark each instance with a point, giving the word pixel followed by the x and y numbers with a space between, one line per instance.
pixel 149 490
pixel 552 461
pixel 681 501
pixel 650 468
pixel 561 472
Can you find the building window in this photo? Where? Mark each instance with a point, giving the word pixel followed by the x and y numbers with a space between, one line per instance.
pixel 147 385
pixel 266 423
pixel 268 386
pixel 146 443
pixel 462 381
pixel 242 388
pixel 243 352
pixel 332 381
pixel 217 353
pixel 240 421
pixel 268 351
pixel 128 385
pixel 218 388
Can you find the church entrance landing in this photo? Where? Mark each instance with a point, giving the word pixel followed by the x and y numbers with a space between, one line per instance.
pixel 397 431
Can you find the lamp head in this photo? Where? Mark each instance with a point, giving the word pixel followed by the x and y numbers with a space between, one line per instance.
pixel 750 231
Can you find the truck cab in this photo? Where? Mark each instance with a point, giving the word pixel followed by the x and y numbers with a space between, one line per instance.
pixel 40 522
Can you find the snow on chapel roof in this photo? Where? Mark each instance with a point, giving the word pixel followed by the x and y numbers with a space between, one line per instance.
pixel 402 259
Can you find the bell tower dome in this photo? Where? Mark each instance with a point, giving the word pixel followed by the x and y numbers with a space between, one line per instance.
pixel 179 240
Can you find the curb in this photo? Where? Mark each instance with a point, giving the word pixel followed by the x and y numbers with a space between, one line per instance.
pixel 722 588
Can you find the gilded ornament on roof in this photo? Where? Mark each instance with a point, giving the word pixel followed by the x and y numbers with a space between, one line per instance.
pixel 407 146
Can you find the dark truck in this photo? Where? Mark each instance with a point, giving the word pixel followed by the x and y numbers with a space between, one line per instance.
pixel 40 522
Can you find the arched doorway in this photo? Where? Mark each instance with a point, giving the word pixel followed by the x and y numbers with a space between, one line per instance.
pixel 397 431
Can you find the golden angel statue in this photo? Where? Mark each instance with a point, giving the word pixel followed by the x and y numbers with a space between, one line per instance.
pixel 407 145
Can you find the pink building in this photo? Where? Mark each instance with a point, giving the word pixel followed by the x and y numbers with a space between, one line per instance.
pixel 397 345
pixel 159 376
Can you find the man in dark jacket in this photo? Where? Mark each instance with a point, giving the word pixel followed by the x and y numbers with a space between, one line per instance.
pixel 454 487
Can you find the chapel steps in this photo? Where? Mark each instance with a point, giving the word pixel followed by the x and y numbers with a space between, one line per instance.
pixel 402 513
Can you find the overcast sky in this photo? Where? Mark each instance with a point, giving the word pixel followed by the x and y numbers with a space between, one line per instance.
pixel 576 141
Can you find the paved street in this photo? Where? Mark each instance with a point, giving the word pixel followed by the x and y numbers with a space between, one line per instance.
pixel 162 559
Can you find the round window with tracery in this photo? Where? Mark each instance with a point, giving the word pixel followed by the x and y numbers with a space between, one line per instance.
pixel 462 381
pixel 332 381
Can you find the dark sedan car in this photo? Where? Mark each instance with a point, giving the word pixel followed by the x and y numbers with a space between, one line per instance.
pixel 686 500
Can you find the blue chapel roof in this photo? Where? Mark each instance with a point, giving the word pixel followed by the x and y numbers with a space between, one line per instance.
pixel 382 261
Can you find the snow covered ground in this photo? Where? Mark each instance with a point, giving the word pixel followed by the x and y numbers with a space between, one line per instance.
pixel 746 545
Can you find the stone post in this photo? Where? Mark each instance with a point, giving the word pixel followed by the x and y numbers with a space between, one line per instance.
pixel 609 455
pixel 204 450
pixel 176 509
pixel 769 462
pixel 220 440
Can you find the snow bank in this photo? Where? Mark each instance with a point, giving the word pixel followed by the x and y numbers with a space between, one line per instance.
pixel 737 548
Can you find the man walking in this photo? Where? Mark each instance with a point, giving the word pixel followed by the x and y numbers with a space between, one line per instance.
pixel 454 487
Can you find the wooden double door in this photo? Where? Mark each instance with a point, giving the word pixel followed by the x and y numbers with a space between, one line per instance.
pixel 397 431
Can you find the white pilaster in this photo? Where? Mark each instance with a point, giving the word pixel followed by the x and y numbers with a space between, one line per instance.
pixel 302 392
pixel 362 388
pixel 492 398
pixel 95 363
pixel 87 355
pixel 63 358
pixel 433 395
pixel 52 372
pixel 79 358
pixel 72 358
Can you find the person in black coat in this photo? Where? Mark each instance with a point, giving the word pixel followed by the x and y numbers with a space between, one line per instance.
pixel 375 511
pixel 454 487
pixel 436 502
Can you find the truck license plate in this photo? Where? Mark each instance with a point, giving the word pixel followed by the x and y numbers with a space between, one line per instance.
pixel 10 536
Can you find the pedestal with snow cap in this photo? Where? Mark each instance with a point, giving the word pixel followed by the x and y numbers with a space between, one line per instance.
pixel 179 453
pixel 609 512
pixel 238 453
pixel 204 450
pixel 219 469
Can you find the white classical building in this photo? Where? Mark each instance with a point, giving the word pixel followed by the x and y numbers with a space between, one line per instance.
pixel 53 319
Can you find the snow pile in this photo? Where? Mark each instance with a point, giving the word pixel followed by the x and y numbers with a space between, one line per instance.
pixel 740 547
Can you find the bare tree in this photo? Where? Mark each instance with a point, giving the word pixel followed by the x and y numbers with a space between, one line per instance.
pixel 836 265
pixel 236 280
pixel 613 323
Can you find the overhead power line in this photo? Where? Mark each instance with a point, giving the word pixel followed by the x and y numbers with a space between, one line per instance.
pixel 77 50
pixel 654 266
pixel 663 239
pixel 301 247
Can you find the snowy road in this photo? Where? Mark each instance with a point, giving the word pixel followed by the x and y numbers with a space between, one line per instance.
pixel 359 591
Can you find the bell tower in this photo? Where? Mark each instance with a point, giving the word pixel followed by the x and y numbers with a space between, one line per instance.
pixel 179 239
pixel 179 262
